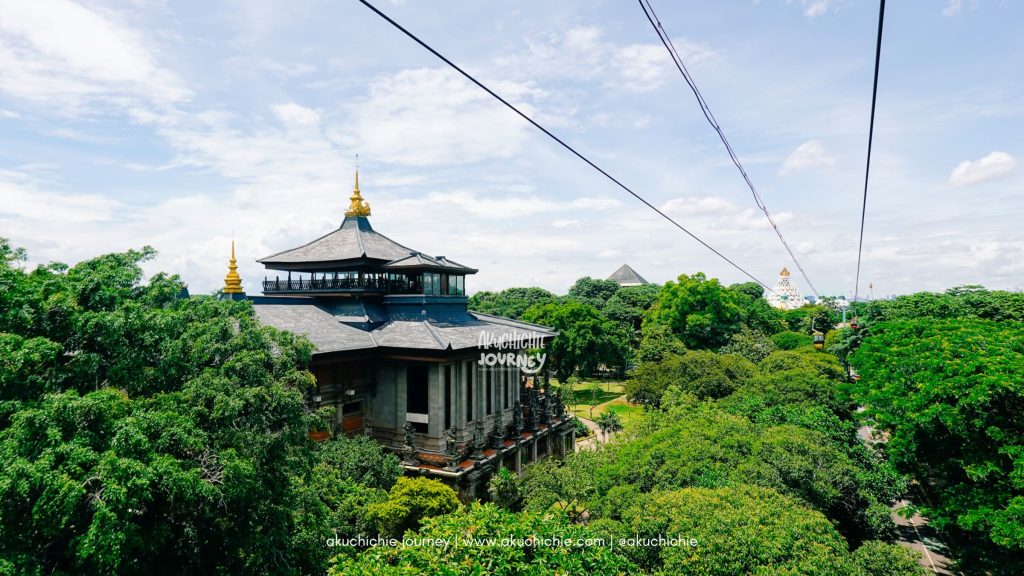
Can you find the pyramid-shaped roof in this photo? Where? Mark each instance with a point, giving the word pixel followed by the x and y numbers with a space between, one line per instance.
pixel 355 242
pixel 626 276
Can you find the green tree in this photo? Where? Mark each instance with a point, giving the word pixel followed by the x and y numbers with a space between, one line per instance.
pixel 648 383
pixel 949 393
pixel 563 485
pixel 628 305
pixel 409 503
pixel 874 558
pixel 506 490
pixel 569 391
pixel 699 372
pixel 610 423
pixel 738 530
pixel 361 460
pixel 700 444
pixel 751 344
pixel 790 340
pixel 144 433
pixel 523 554
pixel 593 292
pixel 586 338
pixel 657 342
pixel 701 312
pixel 751 290
pixel 510 302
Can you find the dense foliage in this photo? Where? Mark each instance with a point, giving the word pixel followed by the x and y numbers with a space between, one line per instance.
pixel 779 441
pixel 950 392
pixel 472 543
pixel 511 302
pixel 146 433
pixel 143 433
pixel 585 340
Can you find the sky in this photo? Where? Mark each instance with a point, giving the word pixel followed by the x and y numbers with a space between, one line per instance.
pixel 184 125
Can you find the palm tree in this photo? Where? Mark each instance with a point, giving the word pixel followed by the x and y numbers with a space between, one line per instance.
pixel 610 423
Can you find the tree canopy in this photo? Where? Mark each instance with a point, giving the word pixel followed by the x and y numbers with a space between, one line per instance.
pixel 511 302
pixel 145 433
pixel 950 392
pixel 586 338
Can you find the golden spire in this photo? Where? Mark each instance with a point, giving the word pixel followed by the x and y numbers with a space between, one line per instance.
pixel 358 206
pixel 784 273
pixel 233 282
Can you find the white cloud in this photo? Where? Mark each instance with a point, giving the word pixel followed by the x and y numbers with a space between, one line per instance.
pixel 714 213
pixel 952 8
pixel 432 116
pixel 292 114
pixel 995 165
pixel 814 8
pixel 582 53
pixel 810 154
pixel 59 52
pixel 22 199
pixel 509 206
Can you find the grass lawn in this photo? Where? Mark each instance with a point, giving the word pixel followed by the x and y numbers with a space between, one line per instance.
pixel 628 413
pixel 609 397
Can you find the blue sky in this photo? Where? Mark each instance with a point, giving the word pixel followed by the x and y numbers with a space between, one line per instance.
pixel 184 124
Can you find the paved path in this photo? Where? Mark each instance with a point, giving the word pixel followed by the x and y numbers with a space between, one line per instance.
pixel 591 441
pixel 914 532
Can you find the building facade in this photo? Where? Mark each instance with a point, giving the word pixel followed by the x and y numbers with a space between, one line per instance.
pixel 785 296
pixel 399 357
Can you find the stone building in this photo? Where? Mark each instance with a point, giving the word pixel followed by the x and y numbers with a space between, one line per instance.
pixel 399 357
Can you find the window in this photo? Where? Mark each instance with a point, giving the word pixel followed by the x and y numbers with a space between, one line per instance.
pixel 454 285
pixel 432 284
pixel 448 396
pixel 417 399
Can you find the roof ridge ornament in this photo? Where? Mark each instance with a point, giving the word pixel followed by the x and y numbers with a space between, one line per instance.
pixel 358 206
pixel 232 281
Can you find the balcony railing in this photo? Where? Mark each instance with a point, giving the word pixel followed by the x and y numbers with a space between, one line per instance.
pixel 342 284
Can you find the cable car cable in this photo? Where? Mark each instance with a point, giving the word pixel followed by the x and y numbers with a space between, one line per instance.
pixel 560 141
pixel 652 17
pixel 871 135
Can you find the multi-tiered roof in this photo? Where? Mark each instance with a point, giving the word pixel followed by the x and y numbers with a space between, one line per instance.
pixel 354 289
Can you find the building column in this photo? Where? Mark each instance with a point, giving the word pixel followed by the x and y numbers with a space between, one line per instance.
pixel 463 394
pixel 435 400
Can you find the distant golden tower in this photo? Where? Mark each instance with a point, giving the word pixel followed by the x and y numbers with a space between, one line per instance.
pixel 233 282
pixel 358 206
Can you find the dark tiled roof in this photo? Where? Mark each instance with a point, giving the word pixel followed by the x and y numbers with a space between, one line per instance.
pixel 329 334
pixel 419 261
pixel 355 239
pixel 315 323
pixel 626 275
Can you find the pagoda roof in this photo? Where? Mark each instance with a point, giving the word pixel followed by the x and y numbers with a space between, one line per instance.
pixel 356 242
pixel 329 332
pixel 626 276
pixel 420 261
